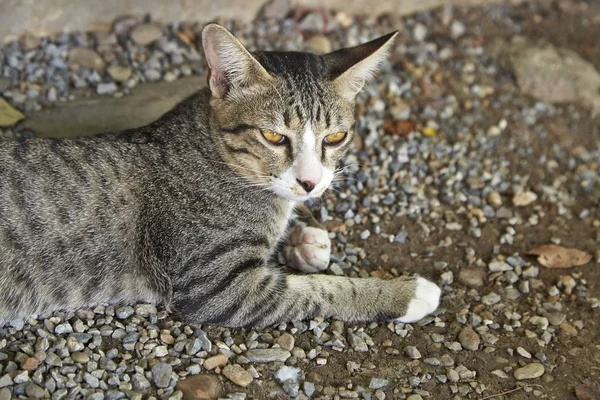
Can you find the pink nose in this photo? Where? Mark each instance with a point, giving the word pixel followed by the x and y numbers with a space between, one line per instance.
pixel 307 185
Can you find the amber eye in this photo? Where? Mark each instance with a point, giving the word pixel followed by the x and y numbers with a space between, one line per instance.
pixel 274 137
pixel 334 138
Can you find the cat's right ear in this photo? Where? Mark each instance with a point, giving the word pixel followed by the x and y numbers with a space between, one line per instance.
pixel 231 67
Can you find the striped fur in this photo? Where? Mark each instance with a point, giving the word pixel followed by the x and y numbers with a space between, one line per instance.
pixel 173 212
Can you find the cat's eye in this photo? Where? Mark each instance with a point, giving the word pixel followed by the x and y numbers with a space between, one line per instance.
pixel 274 137
pixel 335 138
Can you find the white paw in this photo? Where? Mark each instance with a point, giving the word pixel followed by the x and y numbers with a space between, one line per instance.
pixel 427 299
pixel 308 249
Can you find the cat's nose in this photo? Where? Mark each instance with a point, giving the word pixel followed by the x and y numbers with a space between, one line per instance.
pixel 307 185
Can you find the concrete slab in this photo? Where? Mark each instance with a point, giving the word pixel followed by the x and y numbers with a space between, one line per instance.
pixel 99 114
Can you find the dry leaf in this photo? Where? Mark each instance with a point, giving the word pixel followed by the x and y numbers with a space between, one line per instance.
pixel 8 115
pixel 587 391
pixel 400 127
pixel 381 274
pixel 187 36
pixel 553 256
pixel 429 132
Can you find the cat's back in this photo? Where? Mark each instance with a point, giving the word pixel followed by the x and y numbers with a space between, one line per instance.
pixel 57 193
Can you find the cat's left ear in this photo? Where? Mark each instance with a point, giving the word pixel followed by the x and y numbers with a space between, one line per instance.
pixel 351 68
pixel 231 67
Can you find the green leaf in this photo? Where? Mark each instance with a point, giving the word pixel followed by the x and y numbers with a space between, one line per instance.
pixel 8 115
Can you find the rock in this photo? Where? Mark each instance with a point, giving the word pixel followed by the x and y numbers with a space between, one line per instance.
pixel 145 34
pixel 35 392
pixel 357 343
pixel 286 341
pixel 499 266
pixel 556 318
pixel 491 299
pixel 535 63
pixel 161 374
pixel 140 382
pixel 494 199
pixel 8 115
pixel 309 388
pixel 412 352
pixel 523 353
pixel 457 29
pixel 167 338
pixel 5 381
pixel 267 355
pixel 530 371
pixel 377 383
pixel 29 42
pixel 469 339
pixel 275 9
pixel 80 357
pixel 319 44
pixel 217 361
pixel 238 375
pixel 420 32
pixel 5 394
pixel 568 329
pixel 500 374
pixel 313 22
pixel 541 322
pixel 472 277
pixel 201 387
pixel 291 388
pixel 524 198
pixel 106 88
pixel 285 374
pixel 4 84
pixel 119 73
pixel 30 364
pixel 82 57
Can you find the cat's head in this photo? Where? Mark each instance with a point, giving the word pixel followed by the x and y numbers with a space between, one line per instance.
pixel 285 119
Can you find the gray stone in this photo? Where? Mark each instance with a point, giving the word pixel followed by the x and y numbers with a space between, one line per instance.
pixel 86 58
pixel 530 371
pixel 145 34
pixel 124 312
pixel 119 73
pixel 161 374
pixel 267 355
pixel 357 343
pixel 412 352
pixel 535 63
pixel 309 388
pixel 5 380
pixel 106 88
pixel 469 339
pixel 377 383
pixel 34 391
pixel 5 394
pixel 491 299
pixel 140 382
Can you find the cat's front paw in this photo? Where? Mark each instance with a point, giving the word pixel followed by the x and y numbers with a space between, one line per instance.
pixel 308 249
pixel 425 301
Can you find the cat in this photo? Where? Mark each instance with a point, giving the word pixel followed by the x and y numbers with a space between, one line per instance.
pixel 191 210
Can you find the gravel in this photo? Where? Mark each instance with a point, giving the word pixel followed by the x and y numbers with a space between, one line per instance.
pixel 460 198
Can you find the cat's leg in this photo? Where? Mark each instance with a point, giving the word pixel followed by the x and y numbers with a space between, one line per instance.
pixel 262 295
pixel 308 246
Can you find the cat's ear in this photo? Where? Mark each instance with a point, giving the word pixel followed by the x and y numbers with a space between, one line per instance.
pixel 351 68
pixel 231 66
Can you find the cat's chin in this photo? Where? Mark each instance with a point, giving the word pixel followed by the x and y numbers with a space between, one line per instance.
pixel 299 198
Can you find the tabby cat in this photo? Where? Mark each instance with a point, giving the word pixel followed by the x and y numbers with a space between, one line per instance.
pixel 192 210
